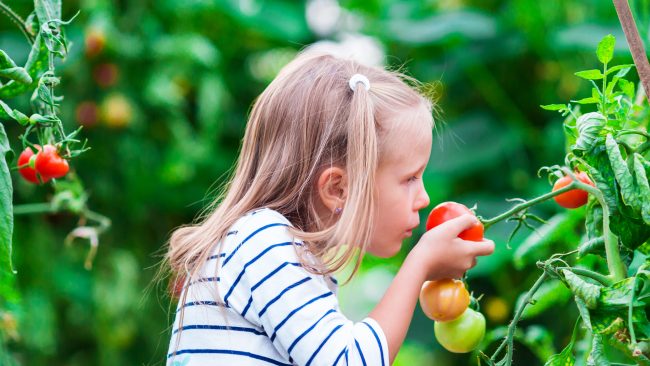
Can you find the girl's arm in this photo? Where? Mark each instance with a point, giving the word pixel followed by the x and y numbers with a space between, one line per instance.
pixel 438 254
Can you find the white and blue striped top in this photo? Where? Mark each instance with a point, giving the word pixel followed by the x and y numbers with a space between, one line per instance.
pixel 272 311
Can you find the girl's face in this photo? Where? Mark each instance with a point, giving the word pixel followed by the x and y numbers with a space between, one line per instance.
pixel 399 190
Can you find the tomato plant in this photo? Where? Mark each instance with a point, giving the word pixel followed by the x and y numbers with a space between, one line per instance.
pixel 444 300
pixel 462 334
pixel 449 210
pixel 574 198
pixel 611 147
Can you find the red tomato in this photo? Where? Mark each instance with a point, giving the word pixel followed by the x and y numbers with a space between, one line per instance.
pixel 575 197
pixel 49 164
pixel 24 167
pixel 449 210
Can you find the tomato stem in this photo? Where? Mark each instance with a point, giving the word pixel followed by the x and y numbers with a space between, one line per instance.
pixel 509 340
pixel 524 205
pixel 602 279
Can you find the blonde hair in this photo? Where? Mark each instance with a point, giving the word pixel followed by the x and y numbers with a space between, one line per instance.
pixel 307 119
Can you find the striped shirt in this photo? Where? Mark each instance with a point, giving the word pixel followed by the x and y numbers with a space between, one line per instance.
pixel 269 310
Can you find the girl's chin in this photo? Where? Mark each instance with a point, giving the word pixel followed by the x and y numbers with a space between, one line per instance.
pixel 385 250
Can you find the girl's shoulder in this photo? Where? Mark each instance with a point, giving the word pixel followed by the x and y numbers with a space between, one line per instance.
pixel 259 218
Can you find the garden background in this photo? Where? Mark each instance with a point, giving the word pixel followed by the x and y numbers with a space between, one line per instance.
pixel 163 89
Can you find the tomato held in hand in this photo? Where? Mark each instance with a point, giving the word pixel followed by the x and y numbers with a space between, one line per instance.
pixel 49 164
pixel 449 210
pixel 26 166
pixel 575 197
pixel 463 334
pixel 444 300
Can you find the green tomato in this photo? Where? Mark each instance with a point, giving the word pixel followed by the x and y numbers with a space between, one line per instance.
pixel 462 334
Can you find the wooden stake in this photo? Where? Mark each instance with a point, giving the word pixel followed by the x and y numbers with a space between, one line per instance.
pixel 635 43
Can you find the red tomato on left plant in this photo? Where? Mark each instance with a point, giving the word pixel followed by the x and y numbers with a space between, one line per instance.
pixel 49 164
pixel 449 210
pixel 26 169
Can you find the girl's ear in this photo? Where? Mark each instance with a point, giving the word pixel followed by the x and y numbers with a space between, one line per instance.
pixel 333 187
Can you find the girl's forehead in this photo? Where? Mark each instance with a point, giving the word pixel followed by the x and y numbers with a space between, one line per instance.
pixel 407 135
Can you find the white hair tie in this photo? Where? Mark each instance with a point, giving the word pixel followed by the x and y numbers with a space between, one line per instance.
pixel 358 78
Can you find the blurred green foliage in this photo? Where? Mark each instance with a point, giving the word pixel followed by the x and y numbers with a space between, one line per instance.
pixel 163 89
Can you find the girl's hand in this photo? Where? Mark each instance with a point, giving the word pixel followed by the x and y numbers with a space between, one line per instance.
pixel 442 254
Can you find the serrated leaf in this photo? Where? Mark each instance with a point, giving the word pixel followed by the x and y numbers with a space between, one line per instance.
pixel 605 50
pixel 623 176
pixel 593 74
pixel 586 291
pixel 619 295
pixel 643 187
pixel 627 87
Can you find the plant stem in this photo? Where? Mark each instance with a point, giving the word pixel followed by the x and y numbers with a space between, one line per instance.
pixel 17 20
pixel 513 324
pixel 617 269
pixel 526 204
pixel 633 39
pixel 602 279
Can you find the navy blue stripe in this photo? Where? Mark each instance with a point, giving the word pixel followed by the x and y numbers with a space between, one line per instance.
pixel 231 352
pixel 282 293
pixel 220 327
pixel 363 360
pixel 202 303
pixel 206 279
pixel 344 351
pixel 258 284
pixel 275 331
pixel 241 274
pixel 381 350
pixel 247 238
pixel 323 343
pixel 308 330
pixel 220 255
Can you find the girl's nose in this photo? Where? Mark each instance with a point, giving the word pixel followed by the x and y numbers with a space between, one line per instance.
pixel 422 199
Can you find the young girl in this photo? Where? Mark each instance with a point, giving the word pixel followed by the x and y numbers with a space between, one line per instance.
pixel 330 169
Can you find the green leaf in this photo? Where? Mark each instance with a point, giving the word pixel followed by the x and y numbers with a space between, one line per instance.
pixel 593 74
pixel 6 206
pixel 37 63
pixel 605 50
pixel 643 187
pixel 624 69
pixel 589 126
pixel 623 176
pixel 554 107
pixel 627 87
pixel 8 69
pixel 593 246
pixel 597 354
pixel 6 113
pixel 586 291
pixel 589 100
pixel 619 295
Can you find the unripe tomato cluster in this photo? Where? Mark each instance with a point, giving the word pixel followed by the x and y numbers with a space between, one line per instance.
pixel 457 327
pixel 42 166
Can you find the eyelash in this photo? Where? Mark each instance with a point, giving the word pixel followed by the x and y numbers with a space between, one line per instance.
pixel 412 179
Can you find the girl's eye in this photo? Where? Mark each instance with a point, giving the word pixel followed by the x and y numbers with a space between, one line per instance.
pixel 412 179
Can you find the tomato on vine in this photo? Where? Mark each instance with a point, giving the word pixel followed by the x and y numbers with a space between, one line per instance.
pixel 574 198
pixel 462 334
pixel 49 164
pixel 26 162
pixel 444 300
pixel 449 210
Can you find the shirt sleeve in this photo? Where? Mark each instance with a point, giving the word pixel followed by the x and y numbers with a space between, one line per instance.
pixel 297 310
